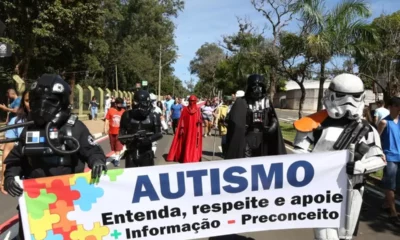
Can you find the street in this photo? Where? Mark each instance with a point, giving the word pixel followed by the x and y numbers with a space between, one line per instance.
pixel 290 115
pixel 373 223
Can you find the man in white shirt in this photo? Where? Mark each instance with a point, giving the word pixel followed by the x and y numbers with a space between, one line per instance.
pixel 107 105
pixel 381 112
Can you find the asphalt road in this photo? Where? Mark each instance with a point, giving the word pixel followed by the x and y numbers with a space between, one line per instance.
pixel 373 223
pixel 289 115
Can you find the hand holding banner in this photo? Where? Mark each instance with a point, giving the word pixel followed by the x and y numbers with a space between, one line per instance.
pixel 187 201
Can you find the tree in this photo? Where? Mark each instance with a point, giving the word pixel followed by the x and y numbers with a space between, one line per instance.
pixel 249 53
pixel 296 61
pixel 205 64
pixel 334 31
pixel 378 61
pixel 85 40
pixel 278 14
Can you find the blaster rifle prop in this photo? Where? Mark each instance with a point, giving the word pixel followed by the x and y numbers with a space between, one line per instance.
pixel 141 134
pixel 9 127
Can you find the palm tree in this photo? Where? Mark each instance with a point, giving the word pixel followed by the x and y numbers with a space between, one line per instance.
pixel 332 32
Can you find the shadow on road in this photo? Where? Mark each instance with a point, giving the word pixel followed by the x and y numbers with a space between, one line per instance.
pixel 231 237
pixel 375 217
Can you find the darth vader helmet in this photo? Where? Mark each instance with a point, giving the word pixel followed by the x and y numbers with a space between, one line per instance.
pixel 345 97
pixel 256 89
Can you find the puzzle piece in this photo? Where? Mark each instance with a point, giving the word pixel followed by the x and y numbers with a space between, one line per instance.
pixel 98 232
pixel 64 225
pixel 52 236
pixel 63 192
pixel 40 227
pixel 65 234
pixel 32 187
pixel 86 175
pixel 113 174
pixel 89 193
pixel 37 206
pixel 49 180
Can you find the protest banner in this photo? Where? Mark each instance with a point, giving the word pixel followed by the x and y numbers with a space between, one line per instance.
pixel 187 201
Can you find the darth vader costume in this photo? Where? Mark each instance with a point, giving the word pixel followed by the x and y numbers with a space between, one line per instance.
pixel 253 127
pixel 139 128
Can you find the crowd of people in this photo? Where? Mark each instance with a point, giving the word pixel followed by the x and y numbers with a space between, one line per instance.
pixel 246 121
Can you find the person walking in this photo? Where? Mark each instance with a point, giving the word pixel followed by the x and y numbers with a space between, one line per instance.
pixel 94 106
pixel 14 105
pixel 207 114
pixel 113 120
pixel 381 112
pixel 389 129
pixel 222 114
pixel 21 116
pixel 176 110
pixel 168 104
pixel 107 105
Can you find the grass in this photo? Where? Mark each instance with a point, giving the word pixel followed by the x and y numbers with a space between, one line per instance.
pixel 378 174
pixel 288 131
pixel 289 134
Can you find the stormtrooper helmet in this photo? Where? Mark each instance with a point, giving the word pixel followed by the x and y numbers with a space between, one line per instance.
pixel 345 97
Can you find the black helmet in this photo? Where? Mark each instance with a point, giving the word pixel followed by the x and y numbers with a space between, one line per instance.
pixel 142 103
pixel 48 98
pixel 255 87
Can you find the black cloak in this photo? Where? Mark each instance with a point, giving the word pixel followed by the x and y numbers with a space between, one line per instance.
pixel 271 143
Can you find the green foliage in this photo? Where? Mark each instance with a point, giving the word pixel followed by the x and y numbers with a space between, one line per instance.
pixel 378 60
pixel 85 39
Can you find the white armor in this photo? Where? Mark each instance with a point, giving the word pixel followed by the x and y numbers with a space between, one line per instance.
pixel 153 98
pixel 350 101
pixel 345 95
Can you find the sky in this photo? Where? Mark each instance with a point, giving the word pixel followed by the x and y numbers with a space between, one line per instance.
pixel 209 20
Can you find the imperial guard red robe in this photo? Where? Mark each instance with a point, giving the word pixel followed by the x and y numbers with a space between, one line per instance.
pixel 187 144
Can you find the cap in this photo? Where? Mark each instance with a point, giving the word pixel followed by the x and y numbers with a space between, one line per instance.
pixel 240 93
pixel 107 95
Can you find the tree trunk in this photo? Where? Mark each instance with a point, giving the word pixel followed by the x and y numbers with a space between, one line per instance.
pixel 302 98
pixel 272 83
pixel 321 86
pixel 72 85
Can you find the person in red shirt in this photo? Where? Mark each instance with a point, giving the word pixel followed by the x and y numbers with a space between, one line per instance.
pixel 113 119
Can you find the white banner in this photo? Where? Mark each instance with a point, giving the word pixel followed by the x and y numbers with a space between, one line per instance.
pixel 187 201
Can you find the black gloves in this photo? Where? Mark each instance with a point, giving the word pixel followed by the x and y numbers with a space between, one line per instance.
pixel 350 168
pixel 97 169
pixel 12 187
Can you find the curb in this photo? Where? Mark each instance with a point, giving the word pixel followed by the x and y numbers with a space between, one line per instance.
pixel 98 135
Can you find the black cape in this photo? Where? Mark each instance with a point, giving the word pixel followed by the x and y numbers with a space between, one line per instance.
pixel 273 144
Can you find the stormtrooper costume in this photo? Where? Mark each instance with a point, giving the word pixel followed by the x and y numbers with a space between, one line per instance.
pixel 158 112
pixel 335 128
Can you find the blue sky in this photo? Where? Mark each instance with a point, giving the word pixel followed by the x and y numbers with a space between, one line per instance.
pixel 208 20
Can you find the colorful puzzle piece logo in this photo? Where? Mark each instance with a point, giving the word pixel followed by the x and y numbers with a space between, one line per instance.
pixel 49 200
